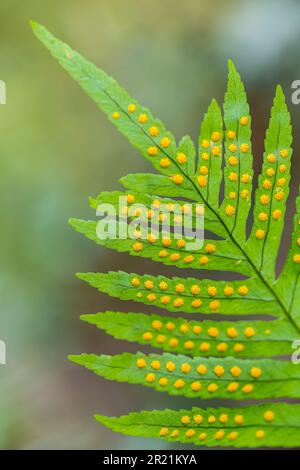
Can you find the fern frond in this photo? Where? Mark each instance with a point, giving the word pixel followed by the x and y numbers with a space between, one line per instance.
pixel 203 356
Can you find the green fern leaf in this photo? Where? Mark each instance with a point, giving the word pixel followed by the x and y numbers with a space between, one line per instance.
pixel 201 356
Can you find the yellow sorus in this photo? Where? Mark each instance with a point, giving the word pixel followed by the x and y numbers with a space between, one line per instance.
pixel 151 238
pixel 178 302
pixel 157 324
pixel 270 172
pixel 203 170
pixel 140 362
pixel 190 433
pixel 281 182
pixel 238 347
pixel 298 241
pixel 138 212
pixel 269 415
pixel 213 331
pixel 204 347
pixel 165 162
pixel 137 246
pixel 231 135
pixel 276 214
pixel 179 383
pixel 197 329
pixel 239 419
pixel 196 386
pixel 139 295
pixel 153 131
pixel 160 339
pixel 296 259
pixel 166 241
pixel 232 387
pixel 244 148
pixel 163 381
pixel 232 148
pixel 147 336
pixel 188 259
pixel 264 199
pixel 230 210
pixel 135 282
pixel 202 436
pixel 260 234
pixel 155 365
pixel 271 158
pixel 245 178
pixel 216 150
pixel 116 115
pixel 244 193
pixel 262 216
pixel 180 243
pixel 177 179
pixel 163 432
pixel 198 419
pixel 150 213
pixel 181 158
pixel 185 368
pixel 210 248
pixel 232 195
pixel 212 388
pixel 163 254
pixel 202 181
pixel 233 161
pixel 215 136
pixel 212 291
pixel 179 288
pixel 219 371
pixel 255 372
pixel 284 153
pixel 233 435
pixel 249 331
pixel 222 347
pixel 173 342
pixel 131 107
pixel 150 377
pixel 149 284
pixel 244 120
pixel 279 196
pixel 248 388
pixel 267 184
pixel 214 305
pixel 184 328
pixel 163 285
pixel 143 118
pixel 156 203
pixel 211 419
pixel 162 217
pixel 203 260
pixel 233 176
pixel 196 303
pixel 202 369
pixel 228 290
pixel 231 332
pixel 175 433
pixel 282 168
pixel 205 156
pixel 185 419
pixel 235 371
pixel 205 144
pixel 219 434
pixel 189 345
pixel 223 418
pixel 195 289
pixel 124 210
pixel 260 434
pixel 174 256
pixel 130 198
pixel 165 142
pixel 170 366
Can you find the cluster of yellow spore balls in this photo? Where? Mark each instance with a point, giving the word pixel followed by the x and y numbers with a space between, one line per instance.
pixel 198 420
pixel 213 332
pixel 202 370
pixel 180 288
pixel 163 143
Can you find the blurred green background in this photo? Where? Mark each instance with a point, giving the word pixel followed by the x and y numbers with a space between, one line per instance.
pixel 57 149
